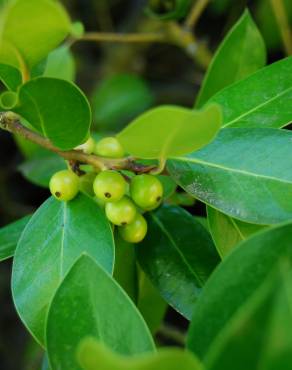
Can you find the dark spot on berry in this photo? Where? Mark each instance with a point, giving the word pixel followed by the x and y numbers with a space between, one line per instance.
pixel 58 194
pixel 124 223
pixel 158 199
pixel 107 195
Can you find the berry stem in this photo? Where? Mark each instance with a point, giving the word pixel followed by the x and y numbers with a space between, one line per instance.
pixel 195 13
pixel 10 122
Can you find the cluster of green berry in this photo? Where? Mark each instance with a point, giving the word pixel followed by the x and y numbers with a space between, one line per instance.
pixel 123 203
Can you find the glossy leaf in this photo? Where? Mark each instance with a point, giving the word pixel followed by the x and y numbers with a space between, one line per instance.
pixel 241 53
pixel 259 336
pixel 10 76
pixel 39 170
pixel 95 355
pixel 31 29
pixel 242 173
pixel 9 236
pixel 166 10
pixel 178 256
pixel 61 64
pixel 234 282
pixel 170 131
pixel 56 236
pixel 125 271
pixel 227 232
pixel 119 99
pixel 90 303
pixel 56 108
pixel 249 102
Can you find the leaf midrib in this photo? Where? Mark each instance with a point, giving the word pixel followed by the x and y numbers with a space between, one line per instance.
pixel 63 226
pixel 229 169
pixel 42 123
pixel 258 107
pixel 163 229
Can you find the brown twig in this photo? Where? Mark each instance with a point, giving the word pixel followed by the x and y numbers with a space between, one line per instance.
pixel 10 122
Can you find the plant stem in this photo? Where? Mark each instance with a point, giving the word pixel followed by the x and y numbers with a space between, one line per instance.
pixel 169 332
pixel 10 122
pixel 122 38
pixel 195 13
pixel 172 34
pixel 283 24
pixel 186 40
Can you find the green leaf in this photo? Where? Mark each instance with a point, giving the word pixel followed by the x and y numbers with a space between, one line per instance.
pixel 125 271
pixel 39 170
pixel 9 236
pixel 56 236
pixel 170 131
pixel 10 76
pixel 45 364
pixel 242 174
pixel 227 232
pixel 119 99
pixel 77 29
pixel 169 186
pixel 168 10
pixel 178 256
pixel 241 53
pixel 30 30
pixel 203 221
pixel 234 282
pixel 61 64
pixel 259 335
pixel 27 148
pixel 249 102
pixel 56 108
pixel 95 355
pixel 90 303
pixel 269 27
pixel 150 303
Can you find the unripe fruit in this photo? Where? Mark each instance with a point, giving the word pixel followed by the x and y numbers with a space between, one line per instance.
pixel 121 212
pixel 109 186
pixel 64 185
pixel 109 147
pixel 136 231
pixel 146 191
pixel 87 147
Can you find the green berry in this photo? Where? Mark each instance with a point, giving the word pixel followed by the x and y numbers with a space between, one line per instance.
pixel 87 147
pixel 64 185
pixel 136 231
pixel 146 191
pixel 121 212
pixel 109 186
pixel 109 147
